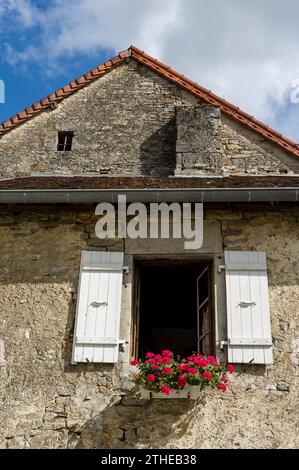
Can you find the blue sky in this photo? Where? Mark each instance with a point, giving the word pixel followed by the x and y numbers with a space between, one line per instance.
pixel 24 87
pixel 246 52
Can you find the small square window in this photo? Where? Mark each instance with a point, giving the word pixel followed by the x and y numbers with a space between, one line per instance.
pixel 65 140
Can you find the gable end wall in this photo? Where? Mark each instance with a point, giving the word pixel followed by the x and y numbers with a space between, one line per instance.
pixel 125 124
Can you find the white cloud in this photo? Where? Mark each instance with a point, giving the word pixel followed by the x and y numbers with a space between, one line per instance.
pixel 246 52
pixel 91 24
pixel 15 58
pixel 21 11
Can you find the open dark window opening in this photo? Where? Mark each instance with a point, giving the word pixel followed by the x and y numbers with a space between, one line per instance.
pixel 65 140
pixel 172 308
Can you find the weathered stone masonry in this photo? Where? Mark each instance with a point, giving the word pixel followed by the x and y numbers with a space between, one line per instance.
pixel 125 124
pixel 47 402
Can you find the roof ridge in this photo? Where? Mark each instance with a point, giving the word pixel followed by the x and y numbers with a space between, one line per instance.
pixel 167 72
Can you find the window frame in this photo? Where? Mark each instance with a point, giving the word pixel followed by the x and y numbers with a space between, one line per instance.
pixel 67 137
pixel 135 306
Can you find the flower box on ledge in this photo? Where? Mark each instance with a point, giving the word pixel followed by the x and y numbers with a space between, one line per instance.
pixel 168 376
pixel 191 392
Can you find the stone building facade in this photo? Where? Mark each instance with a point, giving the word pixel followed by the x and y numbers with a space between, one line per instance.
pixel 138 126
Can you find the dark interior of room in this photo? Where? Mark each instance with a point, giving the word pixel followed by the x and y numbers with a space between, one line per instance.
pixel 168 307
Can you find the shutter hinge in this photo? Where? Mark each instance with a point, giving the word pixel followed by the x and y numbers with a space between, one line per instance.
pixel 126 269
pixel 99 340
pixel 221 267
pixel 222 344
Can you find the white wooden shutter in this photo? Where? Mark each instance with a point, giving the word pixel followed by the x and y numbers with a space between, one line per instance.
pixel 96 334
pixel 248 316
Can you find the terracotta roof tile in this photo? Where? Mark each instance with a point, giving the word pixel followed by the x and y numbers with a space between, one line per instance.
pixel 80 80
pixel 171 75
pixel 88 76
pixel 22 115
pixel 125 54
pixel 101 68
pixel 44 102
pixel 52 97
pixel 59 92
pixel 116 60
pixel 73 86
pixel 67 89
pixel 36 106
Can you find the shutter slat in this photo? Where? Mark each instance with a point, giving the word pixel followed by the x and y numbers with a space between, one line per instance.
pixel 97 325
pixel 112 326
pixel 101 314
pixel 245 313
pixel 266 324
pixel 257 323
pixel 248 316
pixel 83 289
pixel 235 328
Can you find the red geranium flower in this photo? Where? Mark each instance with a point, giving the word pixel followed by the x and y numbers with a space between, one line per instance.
pixel 149 355
pixel 182 380
pixel 158 358
pixel 167 353
pixel 151 377
pixel 166 360
pixel 206 375
pixel 165 370
pixel 211 358
pixel 166 390
pixel 222 387
pixel 183 367
pixel 202 363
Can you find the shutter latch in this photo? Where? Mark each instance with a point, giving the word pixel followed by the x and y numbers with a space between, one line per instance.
pixel 97 304
pixel 247 304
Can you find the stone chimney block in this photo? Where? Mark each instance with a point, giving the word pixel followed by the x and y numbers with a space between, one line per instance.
pixel 198 140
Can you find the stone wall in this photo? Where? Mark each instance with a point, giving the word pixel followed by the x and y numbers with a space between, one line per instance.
pixel 47 402
pixel 125 124
pixel 246 152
